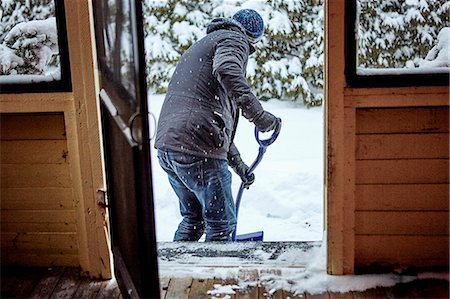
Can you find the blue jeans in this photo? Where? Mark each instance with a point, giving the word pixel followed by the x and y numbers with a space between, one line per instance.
pixel 203 187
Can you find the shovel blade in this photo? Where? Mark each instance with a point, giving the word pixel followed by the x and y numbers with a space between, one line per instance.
pixel 256 236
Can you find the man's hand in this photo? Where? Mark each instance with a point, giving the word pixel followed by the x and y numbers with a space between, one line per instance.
pixel 267 122
pixel 241 169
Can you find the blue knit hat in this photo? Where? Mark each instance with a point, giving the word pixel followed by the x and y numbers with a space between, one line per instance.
pixel 252 22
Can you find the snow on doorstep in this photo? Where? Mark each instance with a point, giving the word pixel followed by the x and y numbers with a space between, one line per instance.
pixel 286 200
pixel 312 278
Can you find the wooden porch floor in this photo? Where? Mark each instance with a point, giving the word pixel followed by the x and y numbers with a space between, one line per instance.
pixel 65 282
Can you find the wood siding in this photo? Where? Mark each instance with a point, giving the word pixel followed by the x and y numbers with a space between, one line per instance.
pixel 38 217
pixel 402 186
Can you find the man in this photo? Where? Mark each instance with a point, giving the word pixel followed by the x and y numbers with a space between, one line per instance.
pixel 198 121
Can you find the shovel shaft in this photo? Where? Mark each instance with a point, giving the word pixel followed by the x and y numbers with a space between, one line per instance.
pixel 263 144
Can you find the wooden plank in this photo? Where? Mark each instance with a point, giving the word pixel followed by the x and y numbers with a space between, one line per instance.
pixel 31 259
pixel 33 151
pixel 400 249
pixel 26 280
pixel 402 146
pixel 293 296
pixel 267 274
pixel 416 197
pixel 374 293
pixel 35 175
pixel 179 288
pixel 334 128
pixel 228 282
pixel 37 199
pixel 8 281
pixel 427 288
pixel 247 276
pixel 88 288
pixel 402 120
pixel 414 171
pixel 345 295
pixel 82 125
pixel 39 242
pixel 47 283
pixel 402 223
pixel 24 227
pixel 325 295
pixel 68 284
pixel 109 290
pixel 38 216
pixel 200 288
pixel 349 191
pixel 411 90
pixel 402 98
pixel 37 100
pixel 164 285
pixel 19 126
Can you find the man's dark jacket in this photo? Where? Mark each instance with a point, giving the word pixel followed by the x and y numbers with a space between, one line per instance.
pixel 201 109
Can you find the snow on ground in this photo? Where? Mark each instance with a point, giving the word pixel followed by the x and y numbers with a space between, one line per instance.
pixel 286 200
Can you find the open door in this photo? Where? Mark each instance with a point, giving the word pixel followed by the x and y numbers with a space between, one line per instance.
pixel 123 97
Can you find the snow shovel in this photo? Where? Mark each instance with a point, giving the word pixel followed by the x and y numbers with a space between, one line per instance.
pixel 263 144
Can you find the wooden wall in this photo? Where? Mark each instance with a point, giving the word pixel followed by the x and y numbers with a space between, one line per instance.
pixel 387 168
pixel 37 201
pixel 38 155
pixel 401 192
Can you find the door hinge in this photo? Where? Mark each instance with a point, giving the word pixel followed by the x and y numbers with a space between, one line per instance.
pixel 101 198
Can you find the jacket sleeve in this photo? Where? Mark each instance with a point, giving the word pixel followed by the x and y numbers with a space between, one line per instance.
pixel 230 58
pixel 234 157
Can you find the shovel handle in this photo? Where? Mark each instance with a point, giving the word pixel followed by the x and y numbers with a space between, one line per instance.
pixel 269 141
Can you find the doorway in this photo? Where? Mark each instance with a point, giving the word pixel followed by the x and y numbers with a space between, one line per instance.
pixel 286 200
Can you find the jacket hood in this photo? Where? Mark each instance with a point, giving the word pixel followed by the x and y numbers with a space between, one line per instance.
pixel 228 24
pixel 224 23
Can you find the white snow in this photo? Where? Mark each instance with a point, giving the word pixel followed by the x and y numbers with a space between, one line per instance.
pixel 401 71
pixel 223 290
pixel 25 79
pixel 286 200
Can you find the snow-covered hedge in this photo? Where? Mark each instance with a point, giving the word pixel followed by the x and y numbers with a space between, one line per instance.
pixel 289 59
pixel 28 38
pixel 399 33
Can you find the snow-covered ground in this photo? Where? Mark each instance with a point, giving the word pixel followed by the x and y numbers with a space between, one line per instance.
pixel 286 200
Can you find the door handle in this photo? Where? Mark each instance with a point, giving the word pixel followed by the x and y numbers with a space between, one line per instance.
pixel 106 100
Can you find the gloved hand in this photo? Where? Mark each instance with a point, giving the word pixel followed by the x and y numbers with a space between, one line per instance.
pixel 266 122
pixel 241 169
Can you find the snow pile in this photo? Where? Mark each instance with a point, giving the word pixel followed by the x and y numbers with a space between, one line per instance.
pixel 439 54
pixel 220 290
pixel 286 200
pixel 315 280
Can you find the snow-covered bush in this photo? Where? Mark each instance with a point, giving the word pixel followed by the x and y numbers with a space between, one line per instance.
pixel 399 33
pixel 289 60
pixel 439 55
pixel 28 38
